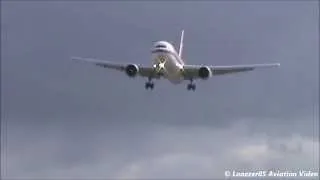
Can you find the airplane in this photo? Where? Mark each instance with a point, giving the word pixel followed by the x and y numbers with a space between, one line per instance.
pixel 169 64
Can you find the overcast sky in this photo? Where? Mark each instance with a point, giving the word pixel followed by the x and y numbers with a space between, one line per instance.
pixel 62 119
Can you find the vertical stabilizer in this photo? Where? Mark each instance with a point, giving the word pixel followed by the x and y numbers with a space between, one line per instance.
pixel 181 43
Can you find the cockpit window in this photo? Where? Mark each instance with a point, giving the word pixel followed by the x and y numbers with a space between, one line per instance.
pixel 160 46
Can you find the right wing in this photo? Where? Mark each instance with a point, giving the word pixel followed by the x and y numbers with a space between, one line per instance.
pixel 143 71
pixel 192 71
pixel 220 70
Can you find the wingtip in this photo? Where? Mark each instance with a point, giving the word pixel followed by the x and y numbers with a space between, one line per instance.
pixel 76 59
pixel 73 58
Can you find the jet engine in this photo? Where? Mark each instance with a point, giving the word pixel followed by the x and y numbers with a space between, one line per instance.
pixel 204 72
pixel 132 70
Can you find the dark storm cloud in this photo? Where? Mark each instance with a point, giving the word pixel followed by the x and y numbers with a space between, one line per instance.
pixel 68 119
pixel 64 29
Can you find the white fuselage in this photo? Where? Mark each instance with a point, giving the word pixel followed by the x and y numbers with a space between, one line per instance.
pixel 167 62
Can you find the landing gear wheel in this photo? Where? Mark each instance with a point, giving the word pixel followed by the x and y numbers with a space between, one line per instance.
pixel 149 85
pixel 191 87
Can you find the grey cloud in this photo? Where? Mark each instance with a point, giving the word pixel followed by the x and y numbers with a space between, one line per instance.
pixel 167 152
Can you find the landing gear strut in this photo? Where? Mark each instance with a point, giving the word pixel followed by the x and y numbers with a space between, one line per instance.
pixel 149 84
pixel 191 86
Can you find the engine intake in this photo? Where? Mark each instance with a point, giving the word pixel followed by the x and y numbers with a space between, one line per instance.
pixel 132 70
pixel 204 72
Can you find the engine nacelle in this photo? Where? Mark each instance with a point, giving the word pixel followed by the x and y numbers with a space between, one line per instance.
pixel 132 70
pixel 204 72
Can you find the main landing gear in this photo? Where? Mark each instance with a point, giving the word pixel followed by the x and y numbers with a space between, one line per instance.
pixel 149 84
pixel 191 86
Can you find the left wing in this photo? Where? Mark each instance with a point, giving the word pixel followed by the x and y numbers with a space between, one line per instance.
pixel 136 69
pixel 202 71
